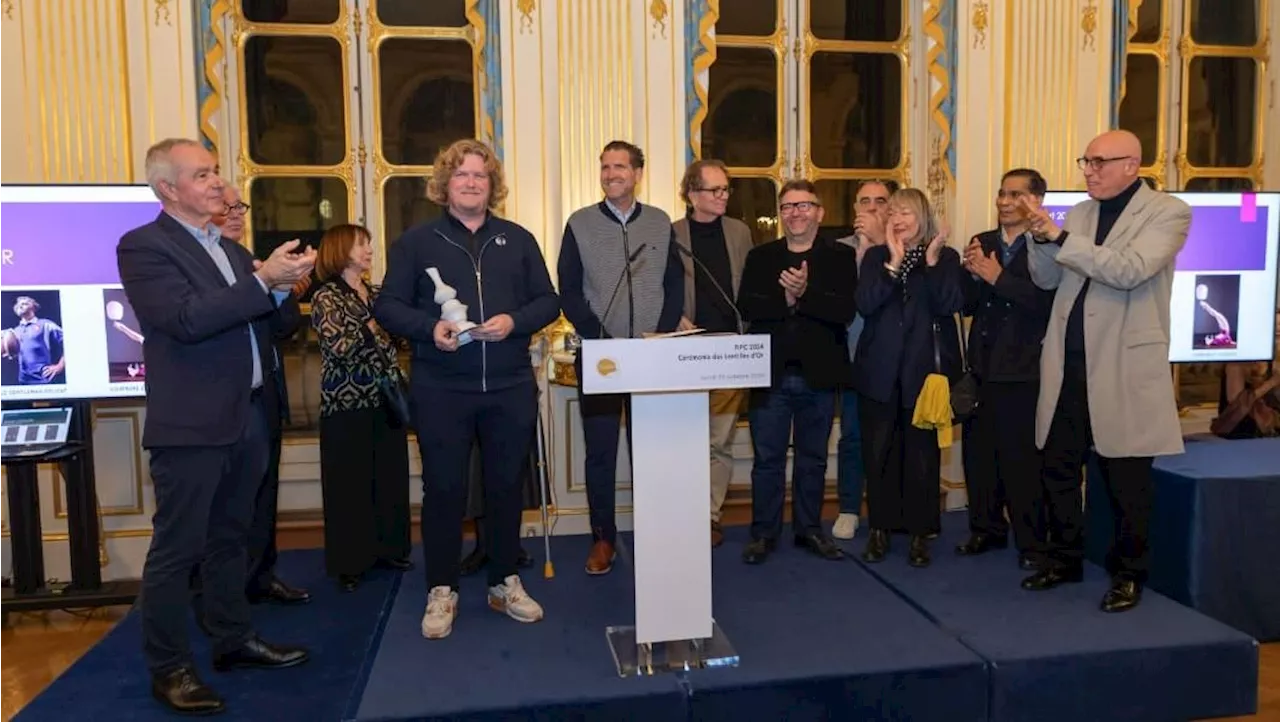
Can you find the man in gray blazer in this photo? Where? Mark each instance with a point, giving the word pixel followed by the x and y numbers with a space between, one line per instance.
pixel 1105 381
pixel 714 248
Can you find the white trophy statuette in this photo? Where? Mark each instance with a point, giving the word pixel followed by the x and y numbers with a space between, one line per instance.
pixel 451 309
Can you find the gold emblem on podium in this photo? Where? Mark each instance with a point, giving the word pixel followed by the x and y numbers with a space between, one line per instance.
pixel 606 366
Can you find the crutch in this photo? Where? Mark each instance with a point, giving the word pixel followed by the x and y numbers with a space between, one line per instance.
pixel 548 569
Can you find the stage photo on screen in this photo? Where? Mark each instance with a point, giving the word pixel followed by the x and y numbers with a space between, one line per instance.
pixel 124 338
pixel 31 341
pixel 1225 276
pixel 1217 309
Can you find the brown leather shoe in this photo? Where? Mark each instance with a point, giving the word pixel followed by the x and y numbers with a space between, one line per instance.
pixel 600 560
pixel 717 534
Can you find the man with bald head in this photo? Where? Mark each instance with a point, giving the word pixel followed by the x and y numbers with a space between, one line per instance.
pixel 1105 384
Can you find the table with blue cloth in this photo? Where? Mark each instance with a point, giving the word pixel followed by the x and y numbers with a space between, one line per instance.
pixel 1215 531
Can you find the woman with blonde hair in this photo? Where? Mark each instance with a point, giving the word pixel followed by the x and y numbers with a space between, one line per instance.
pixel 364 454
pixel 909 290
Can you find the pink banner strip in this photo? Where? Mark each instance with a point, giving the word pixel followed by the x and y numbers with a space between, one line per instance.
pixel 1248 208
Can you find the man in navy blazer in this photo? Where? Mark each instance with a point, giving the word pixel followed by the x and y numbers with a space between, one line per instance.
pixel 206 312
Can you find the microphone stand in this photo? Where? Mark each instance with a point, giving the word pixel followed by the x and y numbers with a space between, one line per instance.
pixel 631 295
pixel 707 272
pixel 625 275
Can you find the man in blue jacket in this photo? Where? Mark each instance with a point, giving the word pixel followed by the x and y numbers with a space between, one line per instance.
pixel 470 383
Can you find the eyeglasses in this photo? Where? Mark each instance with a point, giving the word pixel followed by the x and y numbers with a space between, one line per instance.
pixel 239 207
pixel 718 191
pixel 802 206
pixel 1095 164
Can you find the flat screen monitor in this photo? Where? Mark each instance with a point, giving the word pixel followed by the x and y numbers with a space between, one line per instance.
pixel 67 329
pixel 1223 306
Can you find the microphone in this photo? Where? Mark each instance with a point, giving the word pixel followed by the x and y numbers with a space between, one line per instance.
pixel 625 275
pixel 732 306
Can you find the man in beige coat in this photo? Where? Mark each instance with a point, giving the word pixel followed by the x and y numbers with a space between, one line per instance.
pixel 714 249
pixel 1105 380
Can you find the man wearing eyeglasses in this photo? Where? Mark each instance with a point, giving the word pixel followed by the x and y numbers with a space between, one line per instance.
pixel 262 584
pixel 1104 367
pixel 800 290
pixel 715 247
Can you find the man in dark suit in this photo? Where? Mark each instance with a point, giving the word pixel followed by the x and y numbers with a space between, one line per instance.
pixel 263 585
pixel 1010 315
pixel 205 312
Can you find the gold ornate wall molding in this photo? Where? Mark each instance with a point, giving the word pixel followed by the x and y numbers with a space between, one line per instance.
pixel 1032 91
pixel 84 90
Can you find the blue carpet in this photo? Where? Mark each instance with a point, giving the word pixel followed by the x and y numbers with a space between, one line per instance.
pixel 817 640
pixel 1160 661
pixel 110 681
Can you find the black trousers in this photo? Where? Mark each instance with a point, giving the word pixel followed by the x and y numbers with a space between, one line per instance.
pixel 364 481
pixel 1002 465
pixel 262 534
pixel 903 467
pixel 204 508
pixel 447 421
pixel 1127 482
pixel 261 550
pixel 601 425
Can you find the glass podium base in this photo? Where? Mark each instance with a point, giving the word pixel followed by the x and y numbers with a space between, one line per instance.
pixel 642 660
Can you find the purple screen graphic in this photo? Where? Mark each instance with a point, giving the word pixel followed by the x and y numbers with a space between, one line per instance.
pixel 65 244
pixel 1222 238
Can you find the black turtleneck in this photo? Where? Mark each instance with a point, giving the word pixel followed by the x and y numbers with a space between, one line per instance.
pixel 711 311
pixel 1108 211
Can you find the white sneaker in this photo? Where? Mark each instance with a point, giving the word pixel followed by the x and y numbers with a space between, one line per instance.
pixel 845 527
pixel 442 607
pixel 511 599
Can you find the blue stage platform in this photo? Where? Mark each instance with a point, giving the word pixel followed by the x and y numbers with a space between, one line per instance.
pixel 818 641
pixel 1215 531
pixel 1161 661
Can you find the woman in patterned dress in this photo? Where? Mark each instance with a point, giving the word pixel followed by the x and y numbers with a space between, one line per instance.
pixel 364 453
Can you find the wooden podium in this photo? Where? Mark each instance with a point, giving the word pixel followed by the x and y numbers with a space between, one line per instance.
pixel 668 379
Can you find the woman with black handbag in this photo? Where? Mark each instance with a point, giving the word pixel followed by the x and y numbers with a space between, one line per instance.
pixel 364 453
pixel 906 288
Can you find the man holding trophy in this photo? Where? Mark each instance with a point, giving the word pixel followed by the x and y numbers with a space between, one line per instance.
pixel 469 291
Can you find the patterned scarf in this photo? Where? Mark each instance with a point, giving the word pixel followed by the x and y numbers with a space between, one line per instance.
pixel 913 259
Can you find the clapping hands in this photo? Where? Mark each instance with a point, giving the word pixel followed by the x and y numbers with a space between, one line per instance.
pixel 286 266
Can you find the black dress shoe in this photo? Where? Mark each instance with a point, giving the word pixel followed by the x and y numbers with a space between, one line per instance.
pixel 981 544
pixel 259 654
pixel 398 565
pixel 757 550
pixel 1052 576
pixel 820 544
pixel 348 582
pixel 877 546
pixel 277 592
pixel 524 560
pixel 918 553
pixel 182 691
pixel 1028 562
pixel 473 562
pixel 1123 595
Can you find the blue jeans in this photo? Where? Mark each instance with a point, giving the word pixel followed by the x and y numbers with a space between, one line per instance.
pixel 772 414
pixel 849 473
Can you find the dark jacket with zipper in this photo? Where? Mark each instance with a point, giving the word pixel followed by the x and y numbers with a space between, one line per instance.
pixel 1009 318
pixel 498 269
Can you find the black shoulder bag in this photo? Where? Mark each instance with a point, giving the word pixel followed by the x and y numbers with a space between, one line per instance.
pixel 394 387
pixel 964 393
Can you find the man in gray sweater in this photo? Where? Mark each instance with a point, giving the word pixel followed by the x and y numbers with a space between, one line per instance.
pixel 620 277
